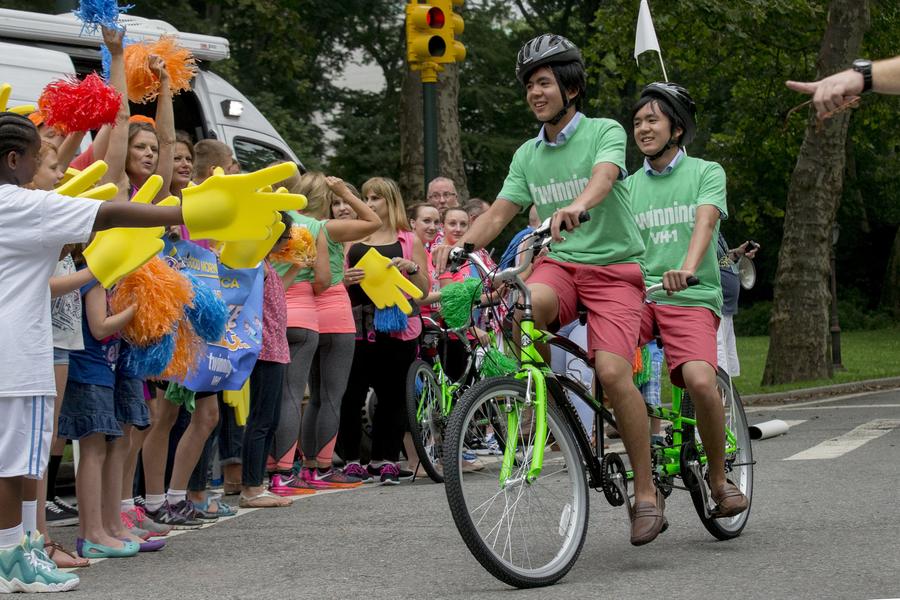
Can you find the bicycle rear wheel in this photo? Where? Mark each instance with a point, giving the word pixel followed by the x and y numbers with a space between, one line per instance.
pixel 527 534
pixel 425 417
pixel 738 461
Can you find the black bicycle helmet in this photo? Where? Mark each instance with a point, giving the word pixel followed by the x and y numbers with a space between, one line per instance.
pixel 545 49
pixel 681 103
pixel 554 51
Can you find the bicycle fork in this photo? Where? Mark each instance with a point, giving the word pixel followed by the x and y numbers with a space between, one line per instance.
pixel 536 397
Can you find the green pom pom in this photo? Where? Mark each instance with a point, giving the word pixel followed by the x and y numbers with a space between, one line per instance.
pixel 179 395
pixel 643 376
pixel 496 363
pixel 457 300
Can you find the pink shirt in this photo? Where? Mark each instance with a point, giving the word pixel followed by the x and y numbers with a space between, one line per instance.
pixel 274 340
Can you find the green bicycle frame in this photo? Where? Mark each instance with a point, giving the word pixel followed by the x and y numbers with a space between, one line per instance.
pixel 532 370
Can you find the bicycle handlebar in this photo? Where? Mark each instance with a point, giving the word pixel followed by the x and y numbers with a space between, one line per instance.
pixel 691 281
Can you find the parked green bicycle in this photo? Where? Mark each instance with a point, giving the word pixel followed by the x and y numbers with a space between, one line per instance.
pixel 525 515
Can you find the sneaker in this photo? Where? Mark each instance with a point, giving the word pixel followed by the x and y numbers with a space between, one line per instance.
pixel 289 486
pixel 356 470
pixel 133 528
pixel 331 479
pixel 65 506
pixel 27 568
pixel 56 516
pixel 176 517
pixel 487 447
pixel 139 516
pixel 404 474
pixel 389 474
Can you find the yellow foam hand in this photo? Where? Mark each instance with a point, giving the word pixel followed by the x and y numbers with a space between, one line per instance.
pixel 248 254
pixel 117 252
pixel 84 180
pixel 240 401
pixel 384 283
pixel 232 208
pixel 68 175
pixel 5 92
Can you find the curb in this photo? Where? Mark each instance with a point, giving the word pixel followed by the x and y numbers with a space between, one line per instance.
pixel 868 385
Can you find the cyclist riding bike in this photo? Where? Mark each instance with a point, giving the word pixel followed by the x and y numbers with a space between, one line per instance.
pixel 678 202
pixel 577 164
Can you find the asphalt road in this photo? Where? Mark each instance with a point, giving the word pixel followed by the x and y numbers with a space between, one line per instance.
pixel 825 524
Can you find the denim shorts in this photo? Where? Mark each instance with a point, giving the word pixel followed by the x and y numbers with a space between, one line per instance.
pixel 60 356
pixel 131 408
pixel 88 409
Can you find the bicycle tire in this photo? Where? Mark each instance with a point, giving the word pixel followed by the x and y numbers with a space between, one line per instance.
pixel 566 526
pixel 427 433
pixel 741 475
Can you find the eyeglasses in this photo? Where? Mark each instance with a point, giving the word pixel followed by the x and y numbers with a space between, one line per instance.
pixel 442 195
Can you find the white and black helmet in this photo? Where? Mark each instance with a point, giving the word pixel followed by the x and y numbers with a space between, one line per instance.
pixel 546 49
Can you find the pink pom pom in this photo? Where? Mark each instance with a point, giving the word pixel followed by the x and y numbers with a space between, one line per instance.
pixel 73 105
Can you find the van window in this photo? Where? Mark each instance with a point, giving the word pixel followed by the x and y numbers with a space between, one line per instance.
pixel 254 155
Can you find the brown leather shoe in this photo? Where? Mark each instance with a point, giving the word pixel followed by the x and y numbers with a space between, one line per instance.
pixel 729 501
pixel 648 521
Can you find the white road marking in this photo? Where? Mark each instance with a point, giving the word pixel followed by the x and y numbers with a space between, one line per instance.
pixel 845 407
pixel 848 442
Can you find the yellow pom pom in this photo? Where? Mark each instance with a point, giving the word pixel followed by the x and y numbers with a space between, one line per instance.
pixel 300 248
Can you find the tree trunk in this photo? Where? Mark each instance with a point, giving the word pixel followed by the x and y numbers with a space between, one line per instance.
pixel 890 292
pixel 412 157
pixel 449 146
pixel 798 327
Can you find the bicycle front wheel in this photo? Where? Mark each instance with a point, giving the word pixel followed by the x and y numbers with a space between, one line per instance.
pixel 527 534
pixel 425 417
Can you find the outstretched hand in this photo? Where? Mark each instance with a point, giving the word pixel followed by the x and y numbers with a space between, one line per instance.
pixel 832 92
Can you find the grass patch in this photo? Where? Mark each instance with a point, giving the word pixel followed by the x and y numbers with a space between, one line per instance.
pixel 870 354
pixel 866 355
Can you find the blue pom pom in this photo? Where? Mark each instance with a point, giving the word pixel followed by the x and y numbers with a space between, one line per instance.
pixel 94 13
pixel 209 315
pixel 151 361
pixel 390 320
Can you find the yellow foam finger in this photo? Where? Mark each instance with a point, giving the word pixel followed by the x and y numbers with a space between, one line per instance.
pixel 84 180
pixel 149 190
pixel 107 191
pixel 5 91
pixel 23 109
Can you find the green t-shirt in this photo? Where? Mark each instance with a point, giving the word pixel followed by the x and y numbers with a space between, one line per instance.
pixel 335 258
pixel 304 274
pixel 664 209
pixel 552 176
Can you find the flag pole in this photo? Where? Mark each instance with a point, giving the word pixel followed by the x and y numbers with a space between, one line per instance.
pixel 665 77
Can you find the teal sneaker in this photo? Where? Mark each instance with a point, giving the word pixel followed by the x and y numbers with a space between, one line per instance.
pixel 27 568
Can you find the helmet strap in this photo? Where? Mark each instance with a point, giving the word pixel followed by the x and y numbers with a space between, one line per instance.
pixel 566 101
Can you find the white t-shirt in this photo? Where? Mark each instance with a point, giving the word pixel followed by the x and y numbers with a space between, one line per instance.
pixel 65 312
pixel 34 226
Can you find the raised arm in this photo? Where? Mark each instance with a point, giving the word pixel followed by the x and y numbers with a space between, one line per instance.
pixel 165 127
pixel 835 90
pixel 69 148
pixel 351 230
pixel 116 154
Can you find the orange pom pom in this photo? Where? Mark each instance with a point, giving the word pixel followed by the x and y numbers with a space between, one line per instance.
pixel 180 63
pixel 300 248
pixel 143 85
pixel 159 294
pixel 188 350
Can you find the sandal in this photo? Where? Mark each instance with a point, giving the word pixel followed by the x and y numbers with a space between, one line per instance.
pixel 204 511
pixel 264 500
pixel 76 562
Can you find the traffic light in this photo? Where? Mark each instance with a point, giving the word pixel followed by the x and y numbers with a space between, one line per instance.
pixel 431 28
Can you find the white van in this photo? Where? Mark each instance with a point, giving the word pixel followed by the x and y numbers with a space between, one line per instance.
pixel 37 48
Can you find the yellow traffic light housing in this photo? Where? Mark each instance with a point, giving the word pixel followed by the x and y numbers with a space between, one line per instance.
pixel 431 27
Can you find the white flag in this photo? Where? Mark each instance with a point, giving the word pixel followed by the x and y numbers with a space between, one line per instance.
pixel 645 37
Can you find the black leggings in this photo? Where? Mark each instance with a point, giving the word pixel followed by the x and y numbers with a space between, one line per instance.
pixel 381 365
pixel 266 388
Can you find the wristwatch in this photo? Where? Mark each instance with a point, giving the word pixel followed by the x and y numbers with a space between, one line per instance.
pixel 864 68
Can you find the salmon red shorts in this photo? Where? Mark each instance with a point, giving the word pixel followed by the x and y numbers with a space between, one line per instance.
pixel 687 332
pixel 612 294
